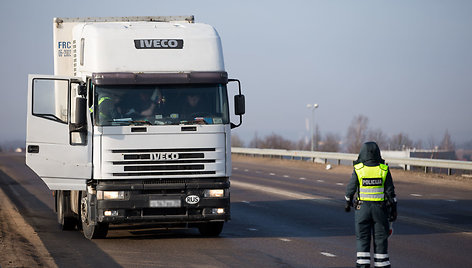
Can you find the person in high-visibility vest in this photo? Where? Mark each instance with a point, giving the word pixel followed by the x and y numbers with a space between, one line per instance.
pixel 376 205
pixel 106 109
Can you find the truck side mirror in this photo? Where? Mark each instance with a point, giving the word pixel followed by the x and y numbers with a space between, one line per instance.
pixel 239 105
pixel 81 111
pixel 78 130
pixel 82 90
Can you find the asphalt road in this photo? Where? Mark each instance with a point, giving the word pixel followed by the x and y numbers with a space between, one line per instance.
pixel 284 214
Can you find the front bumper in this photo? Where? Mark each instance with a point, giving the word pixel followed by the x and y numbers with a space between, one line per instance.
pixel 164 201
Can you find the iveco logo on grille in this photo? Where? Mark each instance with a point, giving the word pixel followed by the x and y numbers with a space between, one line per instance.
pixel 164 156
pixel 159 44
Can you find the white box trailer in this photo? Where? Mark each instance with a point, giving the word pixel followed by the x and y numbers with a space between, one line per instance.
pixel 134 124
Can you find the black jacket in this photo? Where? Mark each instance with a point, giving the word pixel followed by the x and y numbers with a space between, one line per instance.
pixel 370 156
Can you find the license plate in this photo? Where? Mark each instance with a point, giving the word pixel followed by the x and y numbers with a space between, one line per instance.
pixel 164 203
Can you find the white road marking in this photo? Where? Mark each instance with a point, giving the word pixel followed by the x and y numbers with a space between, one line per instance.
pixel 252 229
pixel 272 174
pixel 417 195
pixel 276 191
pixel 286 176
pixel 323 199
pixel 235 168
pixel 246 202
pixel 246 170
pixel 340 184
pixel 285 239
pixel 327 254
pixel 302 178
pixel 320 180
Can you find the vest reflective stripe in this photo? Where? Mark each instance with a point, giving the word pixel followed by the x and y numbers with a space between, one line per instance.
pixel 371 181
pixel 102 99
pixel 371 197
pixel 373 190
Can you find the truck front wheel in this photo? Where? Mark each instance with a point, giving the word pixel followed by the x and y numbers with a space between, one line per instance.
pixel 64 213
pixel 91 230
pixel 211 228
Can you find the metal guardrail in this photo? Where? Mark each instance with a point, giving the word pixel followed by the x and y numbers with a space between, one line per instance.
pixel 404 162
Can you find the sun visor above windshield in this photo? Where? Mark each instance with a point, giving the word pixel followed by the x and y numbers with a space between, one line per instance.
pixel 124 78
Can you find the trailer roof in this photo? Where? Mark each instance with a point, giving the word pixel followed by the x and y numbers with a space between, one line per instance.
pixel 189 19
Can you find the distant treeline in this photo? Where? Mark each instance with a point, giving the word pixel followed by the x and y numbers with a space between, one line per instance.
pixel 357 133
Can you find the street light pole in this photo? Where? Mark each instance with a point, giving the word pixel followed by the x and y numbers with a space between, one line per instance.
pixel 312 107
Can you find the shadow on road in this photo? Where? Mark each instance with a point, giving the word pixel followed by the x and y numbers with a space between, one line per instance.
pixel 306 219
pixel 67 248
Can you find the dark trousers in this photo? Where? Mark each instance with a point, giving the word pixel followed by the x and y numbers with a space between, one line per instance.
pixel 372 221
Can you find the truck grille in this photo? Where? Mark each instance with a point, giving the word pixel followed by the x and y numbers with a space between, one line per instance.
pixel 162 162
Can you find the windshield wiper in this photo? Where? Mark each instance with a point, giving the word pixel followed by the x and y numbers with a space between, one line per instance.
pixel 194 122
pixel 130 121
pixel 140 122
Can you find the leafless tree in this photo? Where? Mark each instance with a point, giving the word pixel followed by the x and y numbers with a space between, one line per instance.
pixel 275 141
pixel 400 142
pixel 236 141
pixel 303 144
pixel 255 142
pixel 330 143
pixel 379 137
pixel 418 144
pixel 446 143
pixel 356 133
pixel 432 143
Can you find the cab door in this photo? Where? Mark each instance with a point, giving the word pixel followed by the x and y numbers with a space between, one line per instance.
pixel 58 149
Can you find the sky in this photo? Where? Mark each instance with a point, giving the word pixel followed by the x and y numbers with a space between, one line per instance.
pixel 406 65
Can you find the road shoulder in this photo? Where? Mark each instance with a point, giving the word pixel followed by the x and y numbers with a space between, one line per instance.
pixel 20 245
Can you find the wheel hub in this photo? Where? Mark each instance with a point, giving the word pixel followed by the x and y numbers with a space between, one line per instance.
pixel 83 210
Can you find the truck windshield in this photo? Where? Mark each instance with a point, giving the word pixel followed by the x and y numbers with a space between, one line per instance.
pixel 161 104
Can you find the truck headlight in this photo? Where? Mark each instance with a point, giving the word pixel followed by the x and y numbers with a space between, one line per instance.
pixel 110 195
pixel 217 211
pixel 214 193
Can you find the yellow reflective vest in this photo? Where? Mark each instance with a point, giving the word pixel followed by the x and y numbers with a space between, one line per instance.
pixel 102 99
pixel 371 181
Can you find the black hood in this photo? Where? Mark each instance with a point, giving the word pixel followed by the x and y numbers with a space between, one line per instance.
pixel 369 155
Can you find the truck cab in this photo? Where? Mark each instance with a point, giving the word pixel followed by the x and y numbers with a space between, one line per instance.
pixel 134 126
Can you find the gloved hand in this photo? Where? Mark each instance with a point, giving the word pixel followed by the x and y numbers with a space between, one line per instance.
pixel 348 206
pixel 393 212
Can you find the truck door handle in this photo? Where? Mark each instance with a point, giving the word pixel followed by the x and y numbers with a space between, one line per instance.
pixel 34 149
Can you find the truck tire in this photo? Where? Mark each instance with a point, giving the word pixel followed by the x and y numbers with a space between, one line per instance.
pixel 212 229
pixel 90 230
pixel 64 213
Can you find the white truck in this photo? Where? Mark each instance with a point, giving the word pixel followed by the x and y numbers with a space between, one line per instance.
pixel 134 126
